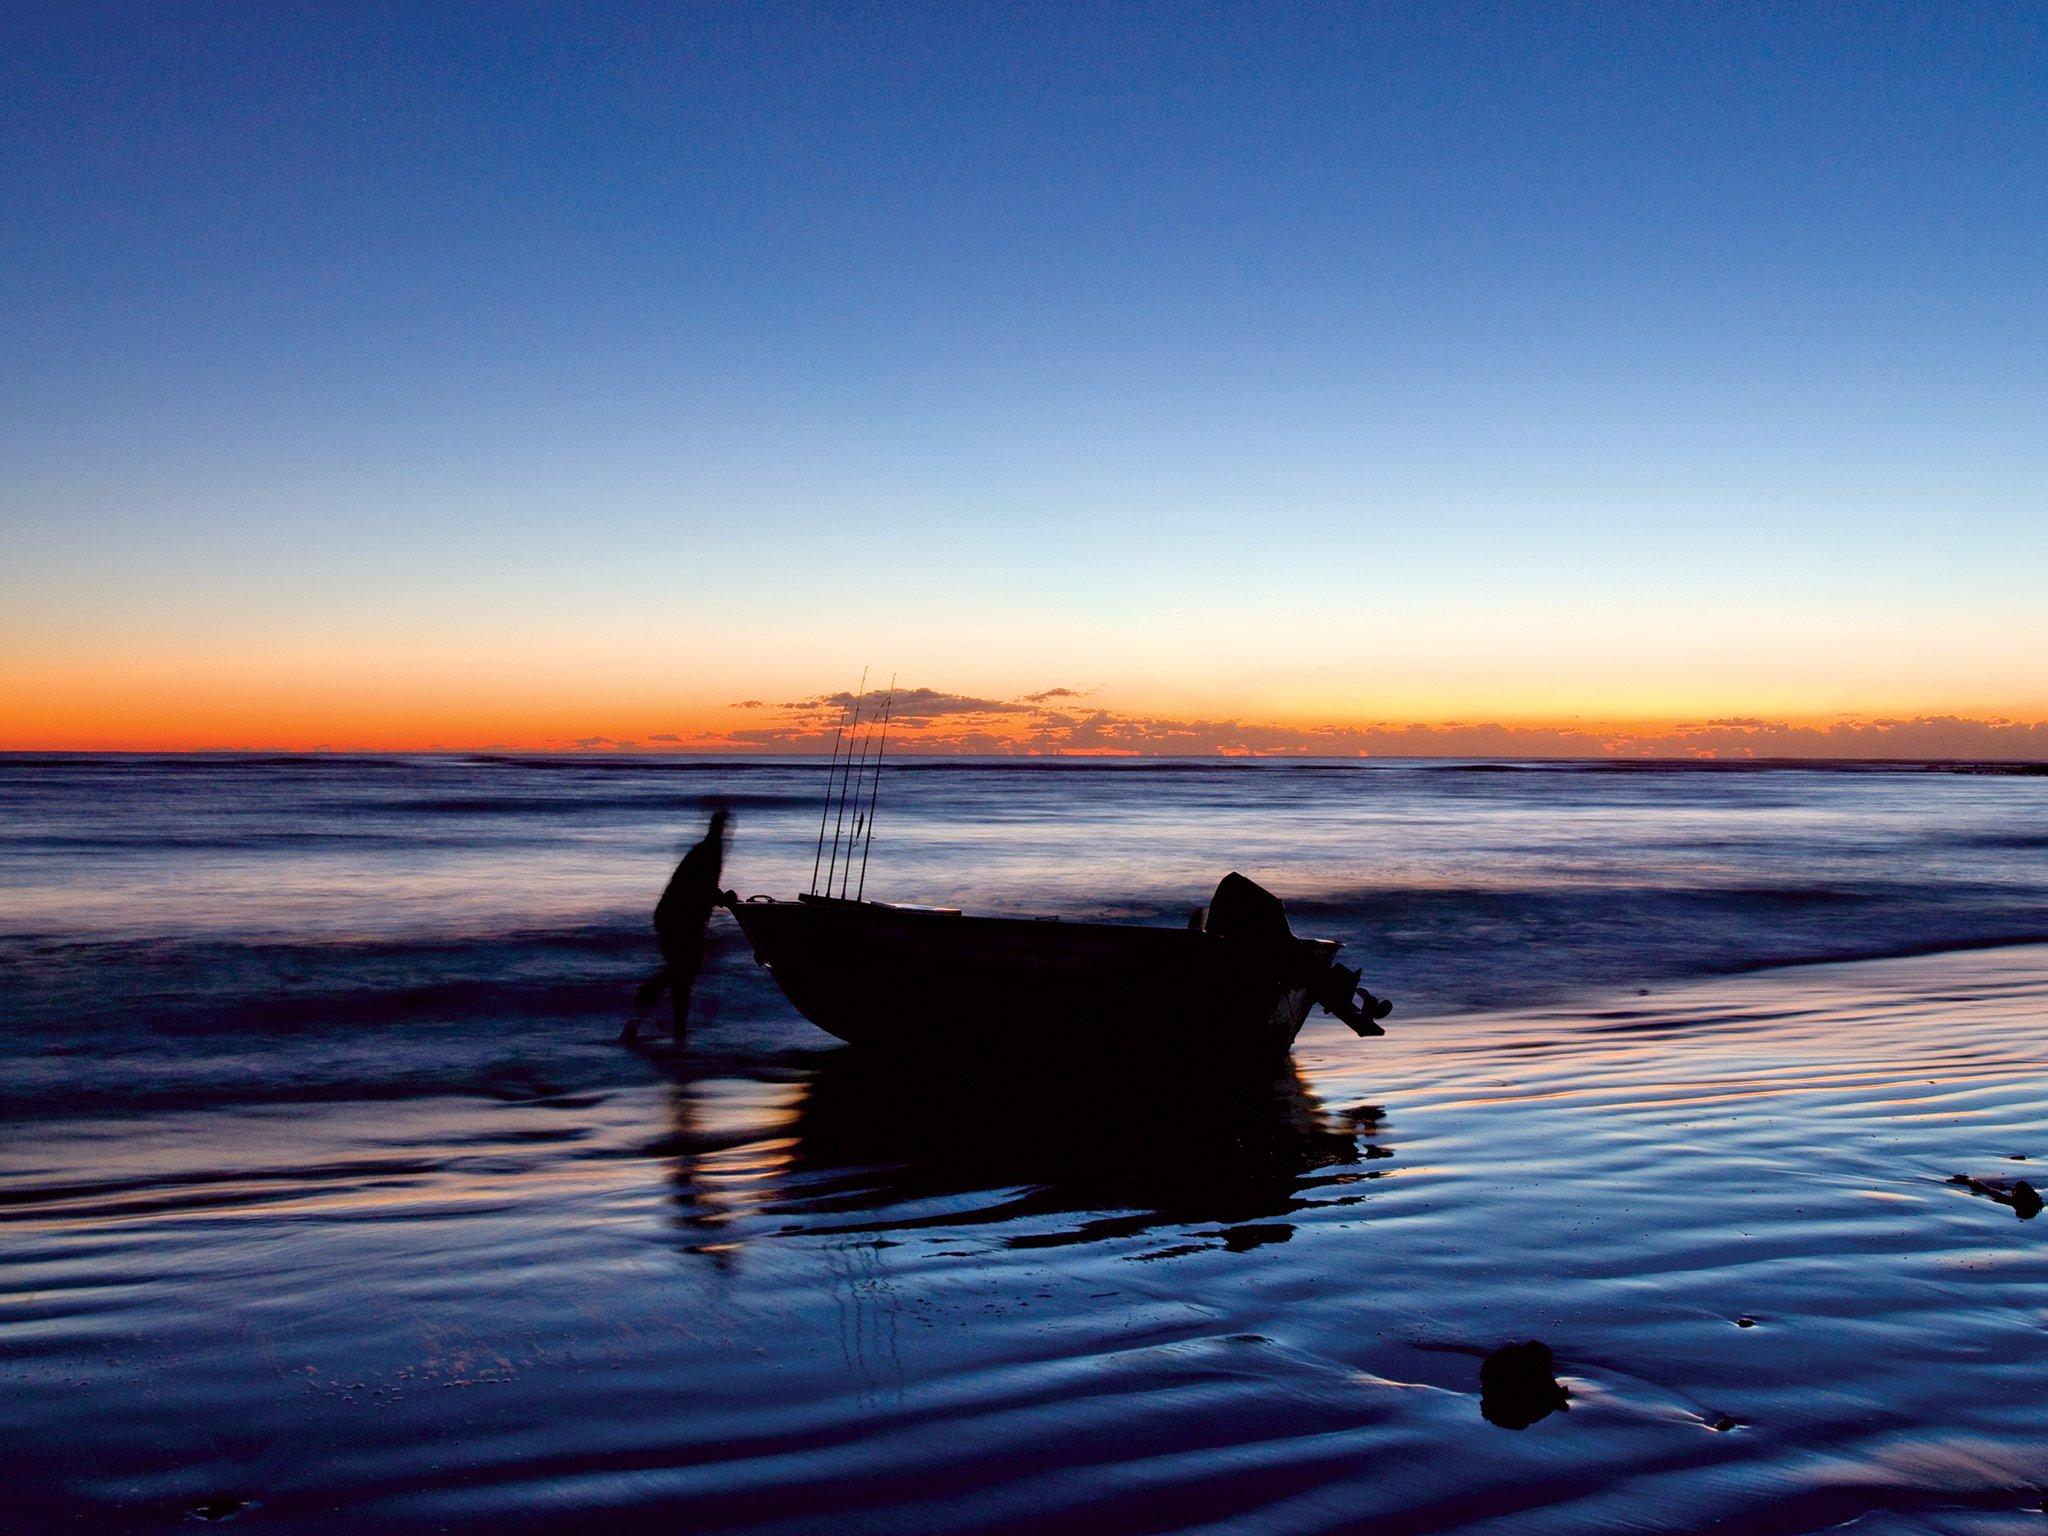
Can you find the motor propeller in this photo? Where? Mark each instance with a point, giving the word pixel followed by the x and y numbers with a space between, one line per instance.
pixel 1342 994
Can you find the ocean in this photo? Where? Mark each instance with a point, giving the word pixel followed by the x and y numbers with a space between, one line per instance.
pixel 329 1201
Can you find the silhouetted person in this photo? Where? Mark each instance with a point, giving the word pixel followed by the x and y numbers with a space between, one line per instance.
pixel 679 921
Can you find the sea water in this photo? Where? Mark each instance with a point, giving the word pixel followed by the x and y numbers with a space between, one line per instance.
pixel 329 1201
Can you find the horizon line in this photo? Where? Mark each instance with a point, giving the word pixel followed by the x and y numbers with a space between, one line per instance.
pixel 709 754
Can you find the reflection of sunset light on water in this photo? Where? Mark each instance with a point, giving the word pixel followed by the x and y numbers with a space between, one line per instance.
pixel 732 1182
pixel 729 1160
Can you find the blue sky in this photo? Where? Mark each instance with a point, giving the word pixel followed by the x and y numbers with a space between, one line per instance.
pixel 1379 361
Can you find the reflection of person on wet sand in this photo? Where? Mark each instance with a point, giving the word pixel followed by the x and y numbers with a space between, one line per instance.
pixel 679 922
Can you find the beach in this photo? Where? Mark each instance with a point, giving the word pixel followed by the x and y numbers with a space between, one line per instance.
pixel 958 770
pixel 330 1203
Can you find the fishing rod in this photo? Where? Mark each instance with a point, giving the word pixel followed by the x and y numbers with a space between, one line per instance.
pixel 839 821
pixel 831 777
pixel 875 789
pixel 864 816
pixel 858 777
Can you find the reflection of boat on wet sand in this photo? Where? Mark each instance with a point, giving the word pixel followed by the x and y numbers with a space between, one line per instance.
pixel 1235 981
pixel 1087 1156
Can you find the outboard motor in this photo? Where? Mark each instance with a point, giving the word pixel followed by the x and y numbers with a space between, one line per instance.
pixel 1244 909
pixel 1247 911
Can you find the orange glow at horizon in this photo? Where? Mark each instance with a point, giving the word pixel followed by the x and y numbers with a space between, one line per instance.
pixel 242 668
pixel 159 712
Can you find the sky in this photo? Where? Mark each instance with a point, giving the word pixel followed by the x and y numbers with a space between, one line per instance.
pixel 1362 378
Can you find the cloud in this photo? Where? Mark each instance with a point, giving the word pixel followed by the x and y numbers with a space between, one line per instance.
pixel 750 704
pixel 932 721
pixel 912 705
pixel 1920 738
pixel 663 736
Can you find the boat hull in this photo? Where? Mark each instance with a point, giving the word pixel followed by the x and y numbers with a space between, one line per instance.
pixel 940 983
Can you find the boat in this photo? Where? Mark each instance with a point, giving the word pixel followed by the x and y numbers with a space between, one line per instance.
pixel 1234 982
pixel 935 981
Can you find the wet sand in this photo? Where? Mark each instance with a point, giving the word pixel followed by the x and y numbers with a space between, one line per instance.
pixel 784 1292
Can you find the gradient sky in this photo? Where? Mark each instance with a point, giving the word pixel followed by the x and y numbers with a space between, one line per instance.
pixel 464 375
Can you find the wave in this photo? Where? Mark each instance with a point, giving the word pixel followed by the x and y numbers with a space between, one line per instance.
pixel 578 803
pixel 1452 948
pixel 1430 945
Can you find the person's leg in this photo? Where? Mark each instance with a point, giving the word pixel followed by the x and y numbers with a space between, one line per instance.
pixel 682 981
pixel 650 989
pixel 683 948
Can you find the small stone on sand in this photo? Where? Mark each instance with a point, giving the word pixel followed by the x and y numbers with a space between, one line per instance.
pixel 2020 1195
pixel 1517 1387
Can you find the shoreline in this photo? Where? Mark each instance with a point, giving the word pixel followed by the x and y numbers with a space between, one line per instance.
pixel 1598 1000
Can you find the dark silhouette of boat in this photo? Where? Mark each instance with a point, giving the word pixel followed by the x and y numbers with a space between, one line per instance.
pixel 1234 982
